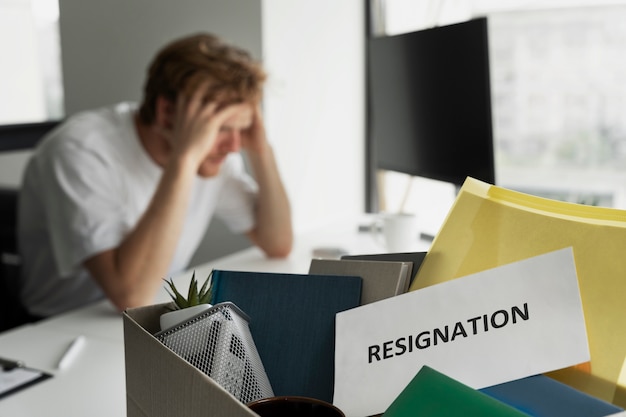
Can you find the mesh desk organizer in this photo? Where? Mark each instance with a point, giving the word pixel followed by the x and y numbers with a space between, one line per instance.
pixel 218 342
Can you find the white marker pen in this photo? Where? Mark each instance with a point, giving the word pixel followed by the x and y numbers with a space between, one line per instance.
pixel 71 352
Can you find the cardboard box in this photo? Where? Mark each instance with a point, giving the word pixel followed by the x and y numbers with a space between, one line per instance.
pixel 161 383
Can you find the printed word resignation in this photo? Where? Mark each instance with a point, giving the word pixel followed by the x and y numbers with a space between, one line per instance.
pixel 447 334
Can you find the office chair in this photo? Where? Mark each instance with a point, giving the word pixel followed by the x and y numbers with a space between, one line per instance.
pixel 12 313
pixel 12 138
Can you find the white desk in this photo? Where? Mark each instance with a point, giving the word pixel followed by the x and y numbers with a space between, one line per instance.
pixel 95 384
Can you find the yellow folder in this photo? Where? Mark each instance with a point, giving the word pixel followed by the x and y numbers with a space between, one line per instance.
pixel 489 226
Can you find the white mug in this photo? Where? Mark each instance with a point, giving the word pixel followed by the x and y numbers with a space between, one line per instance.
pixel 399 231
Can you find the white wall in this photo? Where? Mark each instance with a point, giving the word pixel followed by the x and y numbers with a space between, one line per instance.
pixel 315 104
pixel 106 46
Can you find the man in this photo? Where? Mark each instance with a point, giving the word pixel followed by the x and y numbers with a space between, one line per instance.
pixel 116 199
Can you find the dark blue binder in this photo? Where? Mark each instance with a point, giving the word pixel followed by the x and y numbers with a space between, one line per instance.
pixel 542 396
pixel 292 322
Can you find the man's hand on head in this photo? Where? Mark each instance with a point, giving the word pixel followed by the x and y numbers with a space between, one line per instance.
pixel 254 139
pixel 197 124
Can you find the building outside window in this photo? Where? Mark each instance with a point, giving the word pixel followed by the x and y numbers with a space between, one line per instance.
pixel 559 100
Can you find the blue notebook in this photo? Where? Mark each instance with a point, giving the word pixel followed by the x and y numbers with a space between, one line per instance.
pixel 542 396
pixel 292 322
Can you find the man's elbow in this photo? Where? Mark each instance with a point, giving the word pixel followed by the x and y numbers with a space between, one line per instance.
pixel 278 252
pixel 126 301
pixel 279 248
pixel 123 297
pixel 275 245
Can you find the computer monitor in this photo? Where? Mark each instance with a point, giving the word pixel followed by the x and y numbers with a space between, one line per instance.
pixel 429 104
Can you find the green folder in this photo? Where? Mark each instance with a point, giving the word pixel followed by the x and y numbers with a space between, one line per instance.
pixel 433 394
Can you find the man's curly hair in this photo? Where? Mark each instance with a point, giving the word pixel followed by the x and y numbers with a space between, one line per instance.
pixel 183 65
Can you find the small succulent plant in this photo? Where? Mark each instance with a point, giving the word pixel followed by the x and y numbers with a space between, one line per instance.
pixel 195 296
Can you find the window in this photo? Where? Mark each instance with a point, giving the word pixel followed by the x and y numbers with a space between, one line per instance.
pixel 559 102
pixel 558 92
pixel 30 75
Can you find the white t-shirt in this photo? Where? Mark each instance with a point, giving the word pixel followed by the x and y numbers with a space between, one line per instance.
pixel 85 188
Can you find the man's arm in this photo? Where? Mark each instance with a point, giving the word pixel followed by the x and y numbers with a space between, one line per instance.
pixel 273 230
pixel 131 274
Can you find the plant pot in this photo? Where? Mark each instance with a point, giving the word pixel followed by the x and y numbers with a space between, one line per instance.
pixel 172 318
